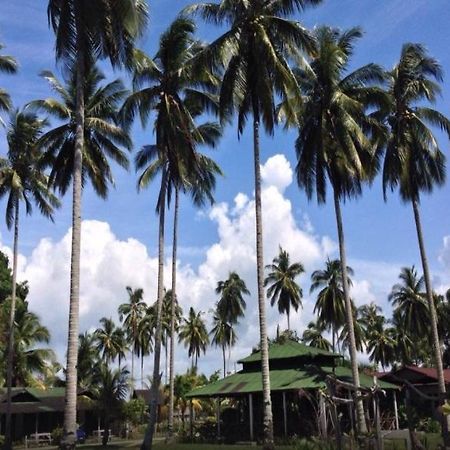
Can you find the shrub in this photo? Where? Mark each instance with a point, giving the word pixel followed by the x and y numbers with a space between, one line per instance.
pixel 57 435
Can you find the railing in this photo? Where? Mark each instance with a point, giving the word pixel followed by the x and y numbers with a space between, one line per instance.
pixel 38 438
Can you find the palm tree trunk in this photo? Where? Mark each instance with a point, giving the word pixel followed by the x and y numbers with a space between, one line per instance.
pixel 12 314
pixel 132 367
pixel 70 410
pixel 288 322
pixel 267 402
pixel 148 438
pixel 362 427
pixel 172 316
pixel 433 316
pixel 142 370
pixel 224 362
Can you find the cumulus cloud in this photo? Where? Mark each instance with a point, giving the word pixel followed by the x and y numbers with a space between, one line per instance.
pixel 109 264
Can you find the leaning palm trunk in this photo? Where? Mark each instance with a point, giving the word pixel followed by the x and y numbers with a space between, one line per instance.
pixel 267 402
pixel 12 313
pixel 224 361
pixel 70 410
pixel 172 318
pixel 361 421
pixel 148 438
pixel 433 317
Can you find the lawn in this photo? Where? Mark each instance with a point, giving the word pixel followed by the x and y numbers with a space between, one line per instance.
pixel 135 445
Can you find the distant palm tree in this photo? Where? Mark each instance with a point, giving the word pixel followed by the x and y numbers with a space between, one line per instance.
pixel 223 335
pixel 403 344
pixel 256 45
pixel 283 288
pixel 413 161
pixel 110 341
pixel 231 305
pixel 330 303
pixel 380 342
pixel 146 336
pixel 88 357
pixel 334 142
pixel 7 65
pixel 131 313
pixel 86 32
pixel 410 306
pixel 110 388
pixel 313 335
pixel 193 335
pixel 22 181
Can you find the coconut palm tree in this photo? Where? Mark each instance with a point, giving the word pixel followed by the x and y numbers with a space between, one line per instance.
pixel 111 342
pixel 193 335
pixel 86 32
pixel 146 336
pixel 413 161
pixel 7 65
pixel 330 303
pixel 131 314
pixel 254 51
pixel 174 88
pixel 231 305
pixel 22 180
pixel 223 335
pixel 88 357
pixel 334 142
pixel 313 335
pixel 410 305
pixel 283 290
pixel 380 341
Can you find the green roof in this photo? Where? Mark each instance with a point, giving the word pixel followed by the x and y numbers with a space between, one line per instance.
pixel 289 349
pixel 309 377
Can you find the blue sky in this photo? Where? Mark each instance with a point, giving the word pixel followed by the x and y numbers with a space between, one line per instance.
pixel 380 237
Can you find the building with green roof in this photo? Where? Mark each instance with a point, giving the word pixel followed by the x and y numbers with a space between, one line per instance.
pixel 298 375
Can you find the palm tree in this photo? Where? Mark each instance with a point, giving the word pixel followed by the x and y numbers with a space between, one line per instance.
pixel 86 32
pixel 88 357
pixel 110 341
pixel 330 303
pixel 231 305
pixel 194 335
pixel 110 388
pixel 256 48
pixel 413 161
pixel 173 93
pixel 131 314
pixel 334 140
pixel 283 289
pixel 7 65
pixel 410 307
pixel 313 335
pixel 223 335
pixel 29 359
pixel 146 336
pixel 380 341
pixel 22 181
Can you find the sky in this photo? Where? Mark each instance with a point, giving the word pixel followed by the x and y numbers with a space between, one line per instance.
pixel 119 236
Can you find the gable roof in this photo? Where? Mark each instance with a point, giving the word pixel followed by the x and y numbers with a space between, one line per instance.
pixel 287 350
pixel 415 374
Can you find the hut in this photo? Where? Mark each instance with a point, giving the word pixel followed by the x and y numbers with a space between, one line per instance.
pixel 300 377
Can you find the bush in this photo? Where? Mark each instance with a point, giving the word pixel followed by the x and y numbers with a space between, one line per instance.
pixel 57 435
pixel 313 444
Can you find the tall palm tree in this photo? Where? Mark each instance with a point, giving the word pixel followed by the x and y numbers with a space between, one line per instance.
pixel 410 306
pixel 146 336
pixel 193 335
pixel 86 32
pixel 413 161
pixel 254 50
pixel 131 314
pixel 172 91
pixel 110 341
pixel 88 357
pixel 223 335
pixel 283 289
pixel 7 65
pixel 22 181
pixel 313 335
pixel 380 341
pixel 231 305
pixel 334 140
pixel 330 303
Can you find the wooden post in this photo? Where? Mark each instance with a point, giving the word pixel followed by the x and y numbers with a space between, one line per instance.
pixel 285 414
pixel 218 418
pixel 250 407
pixel 323 416
pixel 98 429
pixel 191 419
pixel 397 426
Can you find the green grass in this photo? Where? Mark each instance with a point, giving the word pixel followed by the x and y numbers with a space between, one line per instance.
pixel 135 445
